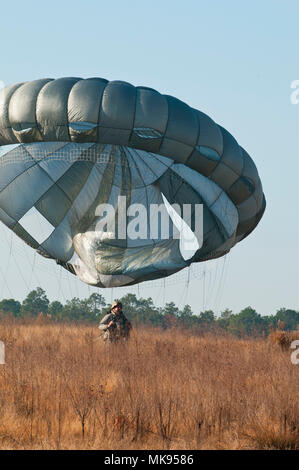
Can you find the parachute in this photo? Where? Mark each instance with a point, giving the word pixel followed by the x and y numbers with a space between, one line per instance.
pixel 70 146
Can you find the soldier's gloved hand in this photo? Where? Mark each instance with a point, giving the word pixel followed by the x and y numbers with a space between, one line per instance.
pixel 111 323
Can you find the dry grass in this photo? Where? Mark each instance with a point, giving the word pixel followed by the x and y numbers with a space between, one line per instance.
pixel 162 390
pixel 283 338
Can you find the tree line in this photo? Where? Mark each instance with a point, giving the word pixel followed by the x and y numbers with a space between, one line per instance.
pixel 141 311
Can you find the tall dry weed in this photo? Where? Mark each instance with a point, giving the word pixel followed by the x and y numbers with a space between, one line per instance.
pixel 283 338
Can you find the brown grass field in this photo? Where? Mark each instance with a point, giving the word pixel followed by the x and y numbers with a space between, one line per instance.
pixel 59 389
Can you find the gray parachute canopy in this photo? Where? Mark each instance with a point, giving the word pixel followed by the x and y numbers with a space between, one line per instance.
pixel 72 145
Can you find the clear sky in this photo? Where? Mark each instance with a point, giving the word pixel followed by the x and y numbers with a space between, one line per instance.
pixel 234 61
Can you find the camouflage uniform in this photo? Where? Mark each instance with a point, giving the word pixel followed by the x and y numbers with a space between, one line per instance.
pixel 119 331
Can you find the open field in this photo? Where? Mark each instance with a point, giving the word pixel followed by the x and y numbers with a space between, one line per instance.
pixel 163 390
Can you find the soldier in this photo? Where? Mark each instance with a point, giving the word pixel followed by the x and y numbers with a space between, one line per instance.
pixel 115 325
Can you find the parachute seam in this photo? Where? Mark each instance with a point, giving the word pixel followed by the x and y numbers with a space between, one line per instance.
pixel 101 110
pixel 145 187
pixel 66 195
pixel 168 115
pixel 134 115
pixel 219 183
pixel 17 176
pixel 36 162
pixel 198 132
pixel 36 107
pixel 43 195
pixel 8 100
pixel 143 162
pixel 67 108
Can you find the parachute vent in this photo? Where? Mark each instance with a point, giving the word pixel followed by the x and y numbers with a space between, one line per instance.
pixel 82 126
pixel 209 153
pixel 147 133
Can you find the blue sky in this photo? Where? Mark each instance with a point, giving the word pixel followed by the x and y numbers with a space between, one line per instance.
pixel 233 60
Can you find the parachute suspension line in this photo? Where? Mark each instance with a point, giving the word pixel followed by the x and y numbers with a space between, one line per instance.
pixel 214 281
pixel 4 275
pixel 20 272
pixel 138 291
pixel 69 284
pixel 221 283
pixel 184 295
pixel 6 283
pixel 59 283
pixel 39 283
pixel 187 285
pixel 60 291
pixel 226 266
pixel 209 286
pixel 32 263
pixel 7 266
pixel 11 254
pixel 204 288
pixel 76 287
pixel 111 295
pixel 163 292
pixel 58 279
pixel 32 269
pixel 158 293
pixel 10 248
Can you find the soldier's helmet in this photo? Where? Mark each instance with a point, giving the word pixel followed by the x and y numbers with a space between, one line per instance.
pixel 116 303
